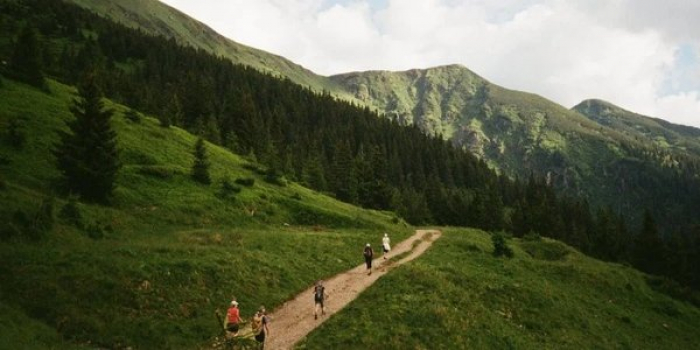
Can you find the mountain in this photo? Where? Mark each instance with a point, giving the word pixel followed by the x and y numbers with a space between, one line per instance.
pixel 662 134
pixel 150 270
pixel 156 18
pixel 521 133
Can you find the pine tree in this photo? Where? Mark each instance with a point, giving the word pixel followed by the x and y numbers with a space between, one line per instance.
pixel 26 61
pixel 649 247
pixel 87 155
pixel 200 168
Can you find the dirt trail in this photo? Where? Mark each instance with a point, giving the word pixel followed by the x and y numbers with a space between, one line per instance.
pixel 294 319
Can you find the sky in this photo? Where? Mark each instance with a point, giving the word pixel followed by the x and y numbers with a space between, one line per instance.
pixel 642 55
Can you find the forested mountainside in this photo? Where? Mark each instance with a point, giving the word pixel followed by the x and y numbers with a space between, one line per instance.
pixel 520 133
pixel 662 134
pixel 156 18
pixel 514 132
pixel 332 145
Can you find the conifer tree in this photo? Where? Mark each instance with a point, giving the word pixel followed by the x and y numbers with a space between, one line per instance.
pixel 200 168
pixel 649 247
pixel 87 154
pixel 26 62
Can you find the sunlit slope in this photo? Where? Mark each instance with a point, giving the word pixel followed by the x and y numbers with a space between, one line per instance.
pixel 548 296
pixel 149 270
pixel 157 18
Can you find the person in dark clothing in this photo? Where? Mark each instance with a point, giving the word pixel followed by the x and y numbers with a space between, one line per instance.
pixel 369 254
pixel 259 326
pixel 319 296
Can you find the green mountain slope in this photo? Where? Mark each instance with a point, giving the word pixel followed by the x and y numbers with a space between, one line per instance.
pixel 521 133
pixel 156 18
pixel 549 296
pixel 661 133
pixel 149 270
pixel 515 132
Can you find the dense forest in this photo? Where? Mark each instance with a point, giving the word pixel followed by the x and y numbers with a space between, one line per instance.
pixel 327 144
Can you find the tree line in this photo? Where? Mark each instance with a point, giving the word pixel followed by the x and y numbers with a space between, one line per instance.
pixel 330 145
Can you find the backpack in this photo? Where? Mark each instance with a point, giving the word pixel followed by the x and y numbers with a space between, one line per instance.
pixel 257 324
pixel 318 295
pixel 368 252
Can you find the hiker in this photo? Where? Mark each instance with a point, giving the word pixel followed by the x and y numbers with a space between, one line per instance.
pixel 319 296
pixel 233 319
pixel 386 244
pixel 259 326
pixel 368 253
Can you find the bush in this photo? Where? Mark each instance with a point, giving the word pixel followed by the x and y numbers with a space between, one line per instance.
pixel 500 246
pixel 247 182
pixel 275 178
pixel 156 171
pixel 133 116
pixel 16 132
pixel 550 251
pixel 95 231
pixel 532 236
pixel 227 189
pixel 254 168
pixel 32 225
pixel 70 212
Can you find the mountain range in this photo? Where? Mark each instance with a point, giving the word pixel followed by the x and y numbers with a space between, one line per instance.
pixel 595 150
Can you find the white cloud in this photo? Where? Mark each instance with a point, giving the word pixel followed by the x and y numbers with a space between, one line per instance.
pixel 622 51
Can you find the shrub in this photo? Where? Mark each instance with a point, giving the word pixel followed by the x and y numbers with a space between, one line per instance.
pixel 550 251
pixel 133 116
pixel 247 182
pixel 532 236
pixel 70 212
pixel 500 246
pixel 227 189
pixel 95 231
pixel 16 132
pixel 157 171
pixel 32 225
pixel 254 168
pixel 275 178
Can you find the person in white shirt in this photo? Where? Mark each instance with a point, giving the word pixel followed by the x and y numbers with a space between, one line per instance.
pixel 386 244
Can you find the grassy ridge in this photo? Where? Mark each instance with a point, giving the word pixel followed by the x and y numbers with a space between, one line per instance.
pixel 149 270
pixel 458 296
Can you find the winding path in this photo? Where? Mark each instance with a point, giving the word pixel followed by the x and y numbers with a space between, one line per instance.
pixel 294 319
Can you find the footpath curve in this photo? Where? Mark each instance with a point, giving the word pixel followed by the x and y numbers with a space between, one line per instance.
pixel 293 320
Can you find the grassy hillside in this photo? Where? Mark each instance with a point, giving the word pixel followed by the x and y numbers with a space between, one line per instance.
pixel 157 18
pixel 150 270
pixel 663 134
pixel 549 296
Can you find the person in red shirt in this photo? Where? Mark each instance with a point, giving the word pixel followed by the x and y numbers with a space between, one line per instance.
pixel 233 319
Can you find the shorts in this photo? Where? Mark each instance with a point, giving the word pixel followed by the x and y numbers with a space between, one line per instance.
pixel 260 337
pixel 232 327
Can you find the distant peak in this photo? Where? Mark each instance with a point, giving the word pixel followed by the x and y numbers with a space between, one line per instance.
pixel 594 102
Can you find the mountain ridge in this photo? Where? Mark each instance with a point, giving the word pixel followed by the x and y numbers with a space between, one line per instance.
pixel 516 133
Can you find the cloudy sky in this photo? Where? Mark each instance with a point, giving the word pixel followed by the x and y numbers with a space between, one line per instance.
pixel 642 55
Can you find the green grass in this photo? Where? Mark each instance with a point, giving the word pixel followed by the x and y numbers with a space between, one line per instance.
pixel 149 270
pixel 458 296
pixel 170 252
